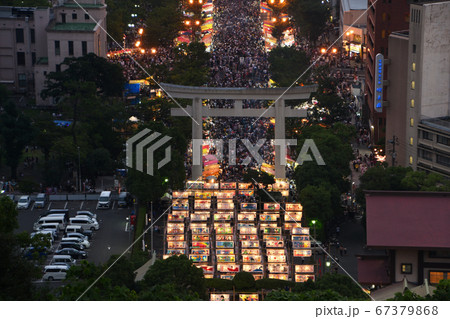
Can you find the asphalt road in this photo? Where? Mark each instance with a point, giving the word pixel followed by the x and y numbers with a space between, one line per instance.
pixel 112 238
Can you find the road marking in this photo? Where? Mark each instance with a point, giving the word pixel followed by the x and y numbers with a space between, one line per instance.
pixel 81 206
pixel 65 206
pixel 126 226
pixel 32 207
pixel 49 205
pixel 114 203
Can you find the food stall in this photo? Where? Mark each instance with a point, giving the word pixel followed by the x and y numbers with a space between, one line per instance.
pixel 223 216
pixel 302 252
pixel 228 185
pixel 247 217
pixel 224 244
pixel 245 185
pixel 178 216
pixel 194 184
pixel 269 217
pixel 220 297
pixel 303 278
pixel 225 194
pixel 202 204
pixel 180 204
pixel 248 297
pixel 181 194
pixel 271 207
pixel 199 217
pixel 249 206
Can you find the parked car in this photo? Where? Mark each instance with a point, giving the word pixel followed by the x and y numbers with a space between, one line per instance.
pixel 34 253
pixel 77 235
pixel 71 244
pixel 55 272
pixel 40 201
pixel 78 229
pixel 64 212
pixel 50 226
pixel 52 233
pixel 124 200
pixel 74 253
pixel 24 202
pixel 87 213
pixel 86 222
pixel 66 259
pixel 85 243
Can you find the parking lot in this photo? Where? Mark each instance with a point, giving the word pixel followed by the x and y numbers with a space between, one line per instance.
pixel 113 236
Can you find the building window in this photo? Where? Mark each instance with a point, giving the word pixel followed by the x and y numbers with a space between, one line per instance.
pixel 58 68
pixel 70 47
pixel 411 122
pixel 86 16
pixel 427 135
pixel 414 48
pixel 22 80
pixel 411 141
pixel 32 36
pixel 443 140
pixel 413 85
pixel 57 48
pixel 63 17
pixel 412 102
pixel 33 58
pixel 436 277
pixel 20 58
pixel 411 160
pixel 413 67
pixel 74 16
pixel 83 47
pixel 425 155
pixel 439 254
pixel 443 160
pixel 406 269
pixel 19 36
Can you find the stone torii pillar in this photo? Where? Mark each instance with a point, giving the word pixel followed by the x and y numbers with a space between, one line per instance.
pixel 278 111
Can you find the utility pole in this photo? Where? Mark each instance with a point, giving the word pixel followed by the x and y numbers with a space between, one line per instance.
pixel 394 142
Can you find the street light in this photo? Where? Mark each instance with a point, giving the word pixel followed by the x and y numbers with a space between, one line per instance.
pixel 141 31
pixel 137 44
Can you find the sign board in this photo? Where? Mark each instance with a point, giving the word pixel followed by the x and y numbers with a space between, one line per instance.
pixel 378 89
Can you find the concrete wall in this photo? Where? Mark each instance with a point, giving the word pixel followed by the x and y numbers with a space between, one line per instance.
pixel 435 66
pixel 396 95
pixel 406 256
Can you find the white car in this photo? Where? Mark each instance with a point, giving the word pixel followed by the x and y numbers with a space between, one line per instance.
pixel 24 202
pixel 86 213
pixel 55 272
pixel 78 240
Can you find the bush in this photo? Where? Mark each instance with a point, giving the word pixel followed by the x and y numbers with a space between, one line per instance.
pixel 219 284
pixel 272 284
pixel 244 281
pixel 28 187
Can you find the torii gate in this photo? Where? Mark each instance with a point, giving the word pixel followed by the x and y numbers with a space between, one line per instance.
pixel 278 111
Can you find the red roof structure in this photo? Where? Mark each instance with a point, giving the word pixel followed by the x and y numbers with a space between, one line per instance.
pixel 397 219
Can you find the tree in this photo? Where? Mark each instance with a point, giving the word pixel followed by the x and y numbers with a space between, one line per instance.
pixel 309 17
pixel 191 65
pixel 8 215
pixel 15 133
pixel 287 64
pixel 178 271
pixel 316 202
pixel 163 24
pixel 244 281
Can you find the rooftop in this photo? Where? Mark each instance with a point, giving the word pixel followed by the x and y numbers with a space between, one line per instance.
pixel 354 5
pixel 441 123
pixel 74 27
pixel 84 5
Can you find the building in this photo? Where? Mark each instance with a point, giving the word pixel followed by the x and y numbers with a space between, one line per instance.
pixel 39 39
pixel 418 114
pixel 396 96
pixel 411 230
pixel 383 18
pixel 353 24
pixel 21 31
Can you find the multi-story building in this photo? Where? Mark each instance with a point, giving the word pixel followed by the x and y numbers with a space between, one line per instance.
pixel 37 40
pixel 383 18
pixel 352 26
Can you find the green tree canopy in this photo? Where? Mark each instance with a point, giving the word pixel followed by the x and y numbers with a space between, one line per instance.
pixel 287 64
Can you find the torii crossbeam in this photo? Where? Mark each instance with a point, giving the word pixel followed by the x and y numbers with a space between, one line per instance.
pixel 278 111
